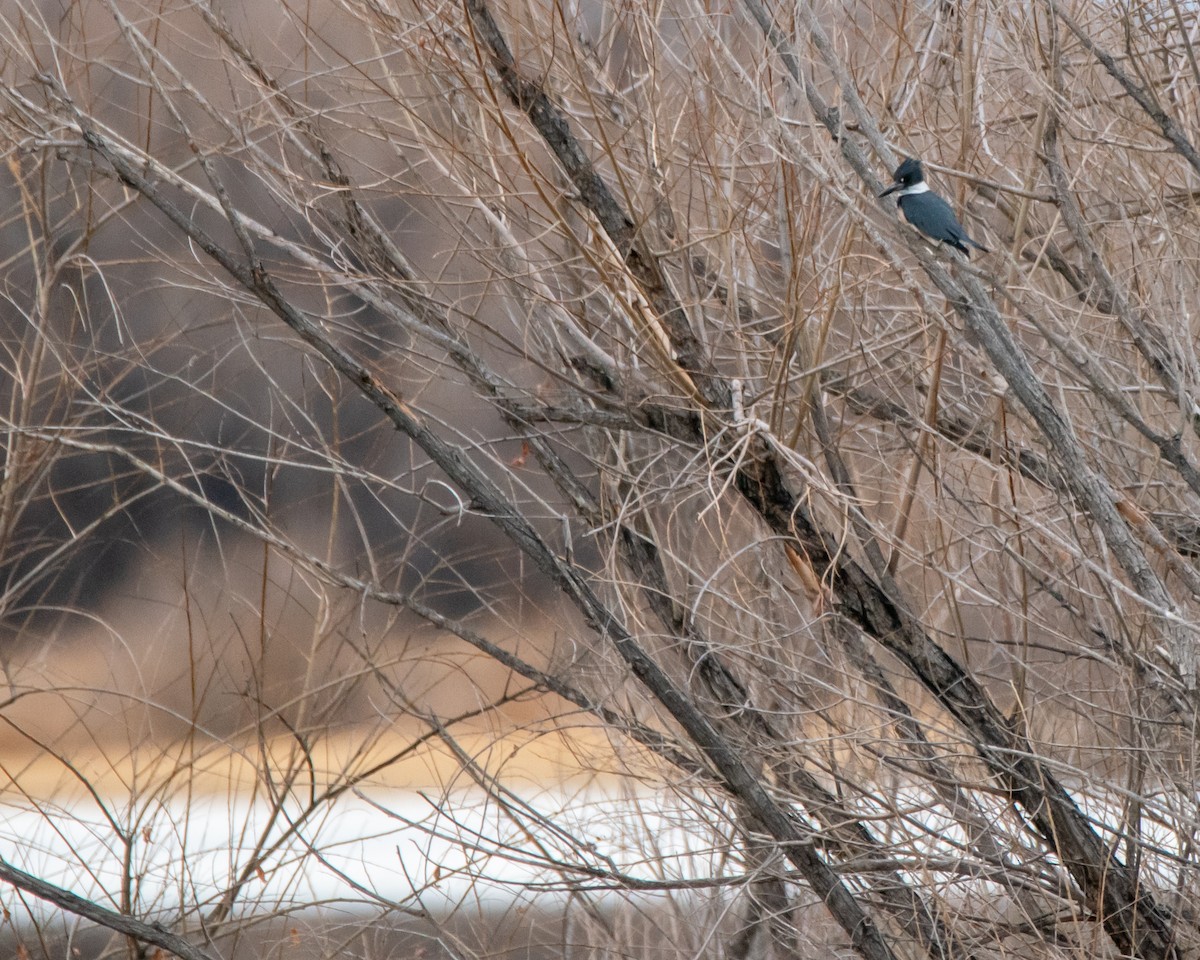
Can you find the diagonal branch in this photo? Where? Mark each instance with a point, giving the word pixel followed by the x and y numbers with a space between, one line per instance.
pixel 491 501
pixel 1170 131
pixel 121 923
pixel 1131 916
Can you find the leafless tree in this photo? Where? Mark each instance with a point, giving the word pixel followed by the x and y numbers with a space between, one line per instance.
pixel 540 390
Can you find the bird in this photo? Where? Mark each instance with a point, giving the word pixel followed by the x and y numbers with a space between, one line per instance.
pixel 925 210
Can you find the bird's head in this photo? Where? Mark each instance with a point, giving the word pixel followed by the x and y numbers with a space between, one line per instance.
pixel 907 174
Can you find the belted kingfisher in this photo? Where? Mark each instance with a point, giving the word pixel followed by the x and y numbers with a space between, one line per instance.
pixel 925 210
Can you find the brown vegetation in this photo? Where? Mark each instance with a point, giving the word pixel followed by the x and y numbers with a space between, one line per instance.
pixel 380 373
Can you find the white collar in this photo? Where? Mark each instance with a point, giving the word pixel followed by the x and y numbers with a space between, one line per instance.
pixel 921 187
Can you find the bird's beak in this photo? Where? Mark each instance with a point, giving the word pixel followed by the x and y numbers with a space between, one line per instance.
pixel 892 189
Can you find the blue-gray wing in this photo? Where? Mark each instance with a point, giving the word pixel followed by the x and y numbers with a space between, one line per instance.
pixel 934 217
